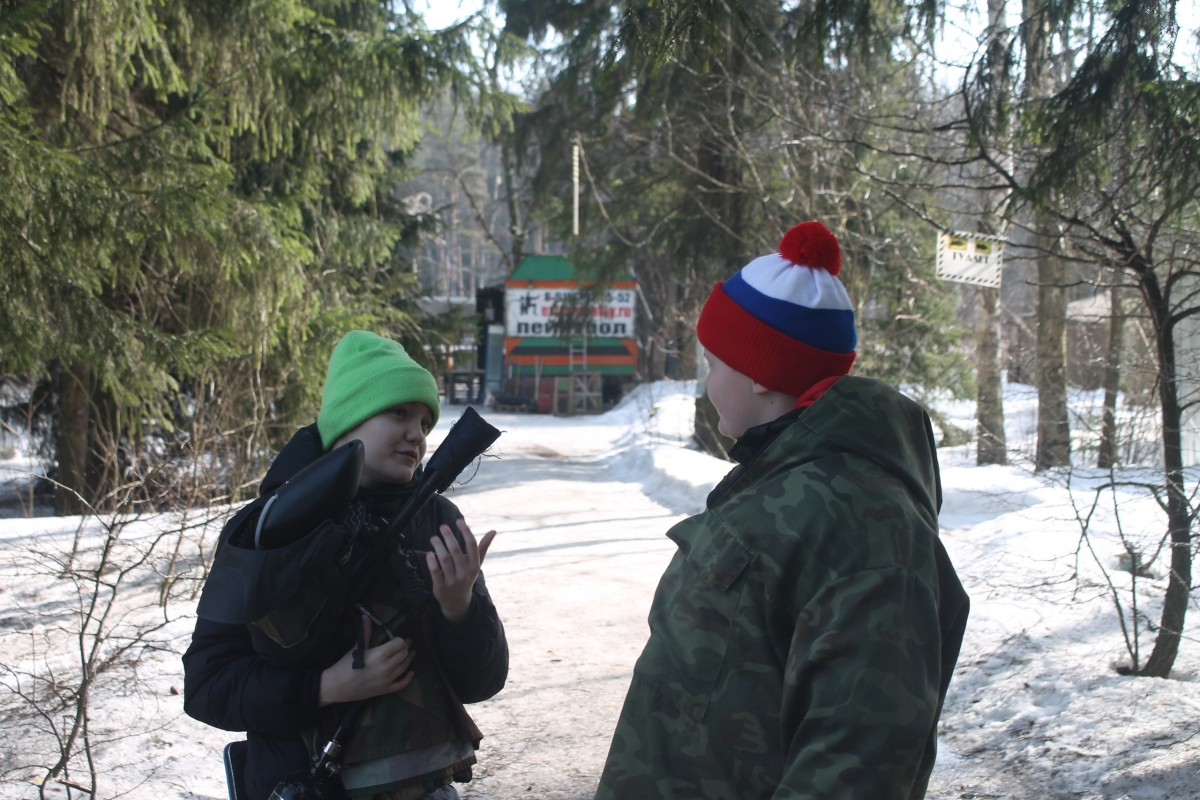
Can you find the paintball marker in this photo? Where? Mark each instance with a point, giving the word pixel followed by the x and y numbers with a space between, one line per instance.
pixel 467 440
pixel 248 584
pixel 318 782
pixel 316 493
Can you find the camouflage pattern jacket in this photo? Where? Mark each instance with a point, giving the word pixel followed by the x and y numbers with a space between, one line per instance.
pixel 803 637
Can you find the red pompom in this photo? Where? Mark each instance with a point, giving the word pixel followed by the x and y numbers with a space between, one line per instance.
pixel 810 244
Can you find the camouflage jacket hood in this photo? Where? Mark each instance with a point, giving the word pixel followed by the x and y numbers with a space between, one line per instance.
pixel 803 637
pixel 865 417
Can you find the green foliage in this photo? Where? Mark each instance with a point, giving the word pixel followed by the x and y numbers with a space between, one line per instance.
pixel 1127 76
pixel 908 328
pixel 201 194
pixel 689 29
pixel 706 139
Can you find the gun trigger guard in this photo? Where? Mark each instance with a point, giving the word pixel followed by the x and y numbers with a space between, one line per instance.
pixel 360 646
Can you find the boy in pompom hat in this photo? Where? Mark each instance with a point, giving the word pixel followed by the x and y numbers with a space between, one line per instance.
pixel 804 635
pixel 443 645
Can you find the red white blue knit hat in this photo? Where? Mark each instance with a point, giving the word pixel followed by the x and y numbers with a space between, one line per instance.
pixel 784 320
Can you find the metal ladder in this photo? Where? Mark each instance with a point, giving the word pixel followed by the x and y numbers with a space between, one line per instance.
pixel 577 356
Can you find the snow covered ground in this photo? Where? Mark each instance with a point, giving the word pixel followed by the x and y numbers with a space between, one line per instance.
pixel 1036 708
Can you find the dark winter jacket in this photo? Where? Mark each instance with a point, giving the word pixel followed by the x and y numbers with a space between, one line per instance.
pixel 227 685
pixel 804 635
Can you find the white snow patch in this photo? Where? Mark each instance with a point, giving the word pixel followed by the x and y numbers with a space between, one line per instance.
pixel 582 505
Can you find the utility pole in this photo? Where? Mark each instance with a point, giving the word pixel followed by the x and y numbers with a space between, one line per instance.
pixel 575 186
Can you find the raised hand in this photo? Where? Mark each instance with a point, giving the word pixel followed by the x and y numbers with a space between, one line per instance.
pixel 454 569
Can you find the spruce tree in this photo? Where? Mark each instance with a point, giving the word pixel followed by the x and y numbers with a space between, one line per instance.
pixel 710 129
pixel 198 200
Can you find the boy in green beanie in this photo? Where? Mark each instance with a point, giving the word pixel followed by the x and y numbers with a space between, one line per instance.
pixel 368 374
pixel 442 643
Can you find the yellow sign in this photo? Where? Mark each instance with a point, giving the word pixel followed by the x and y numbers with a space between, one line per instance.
pixel 973 258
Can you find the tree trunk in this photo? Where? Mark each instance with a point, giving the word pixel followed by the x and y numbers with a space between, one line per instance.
pixel 719 164
pixel 72 439
pixel 516 227
pixel 658 357
pixel 103 472
pixel 989 402
pixel 1054 435
pixel 670 330
pixel 1106 456
pixel 1175 603
pixel 990 443
pixel 1053 427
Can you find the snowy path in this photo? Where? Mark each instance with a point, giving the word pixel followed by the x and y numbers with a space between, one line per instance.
pixel 572 572
pixel 1035 710
pixel 578 555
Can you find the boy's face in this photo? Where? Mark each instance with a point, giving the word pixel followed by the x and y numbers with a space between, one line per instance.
pixel 740 401
pixel 393 443
pixel 732 394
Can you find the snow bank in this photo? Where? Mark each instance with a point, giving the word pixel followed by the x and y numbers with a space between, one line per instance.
pixel 674 477
pixel 1036 708
pixel 655 452
pixel 1036 705
pixel 1139 432
pixel 645 440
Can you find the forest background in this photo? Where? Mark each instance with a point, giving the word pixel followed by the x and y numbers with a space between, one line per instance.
pixel 199 198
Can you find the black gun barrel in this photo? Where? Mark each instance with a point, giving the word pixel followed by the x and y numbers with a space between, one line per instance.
pixel 467 440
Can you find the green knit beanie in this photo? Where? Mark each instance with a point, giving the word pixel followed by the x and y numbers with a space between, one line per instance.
pixel 368 374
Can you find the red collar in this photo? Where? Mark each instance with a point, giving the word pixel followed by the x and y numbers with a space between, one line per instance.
pixel 815 391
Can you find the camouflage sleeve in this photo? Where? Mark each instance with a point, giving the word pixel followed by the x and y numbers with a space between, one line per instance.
pixel 861 688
